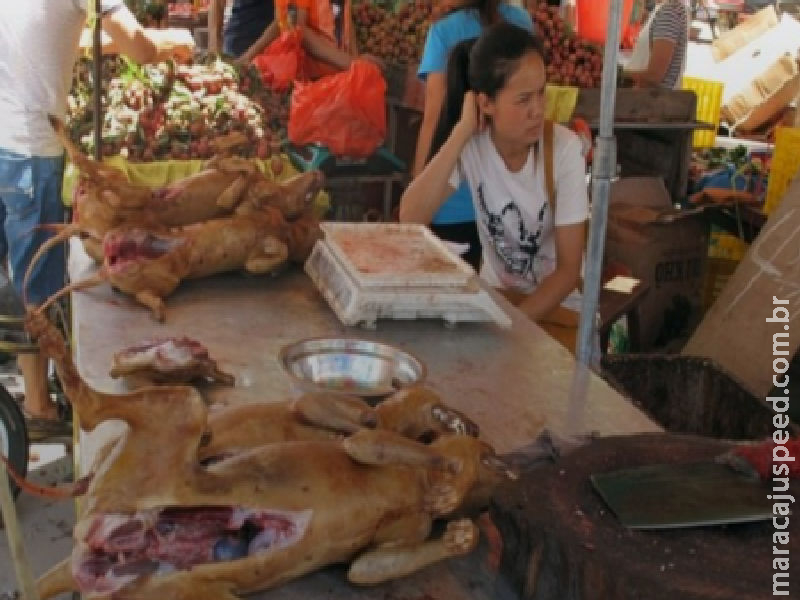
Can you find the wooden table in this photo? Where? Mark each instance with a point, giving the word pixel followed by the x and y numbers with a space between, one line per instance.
pixel 513 382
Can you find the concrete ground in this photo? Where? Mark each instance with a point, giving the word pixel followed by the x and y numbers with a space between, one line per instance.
pixel 46 524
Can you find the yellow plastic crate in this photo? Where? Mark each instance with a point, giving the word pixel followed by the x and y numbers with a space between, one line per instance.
pixel 726 246
pixel 560 102
pixel 718 272
pixel 785 165
pixel 709 103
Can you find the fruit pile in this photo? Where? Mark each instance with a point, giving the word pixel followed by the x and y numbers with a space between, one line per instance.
pixel 570 60
pixel 397 37
pixel 164 111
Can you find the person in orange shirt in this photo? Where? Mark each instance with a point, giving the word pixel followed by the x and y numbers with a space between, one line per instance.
pixel 315 19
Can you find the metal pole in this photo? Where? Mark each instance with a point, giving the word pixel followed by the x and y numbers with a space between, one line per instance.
pixel 97 70
pixel 604 169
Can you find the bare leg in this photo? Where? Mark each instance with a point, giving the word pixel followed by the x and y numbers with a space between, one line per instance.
pixel 37 395
pixel 383 564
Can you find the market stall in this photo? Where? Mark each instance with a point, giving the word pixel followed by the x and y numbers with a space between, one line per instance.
pixel 514 382
pixel 502 371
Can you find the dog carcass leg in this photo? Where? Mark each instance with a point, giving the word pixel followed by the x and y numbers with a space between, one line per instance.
pixel 272 254
pixel 181 586
pixel 93 248
pixel 384 564
pixel 376 447
pixel 153 302
pixel 57 580
pixel 404 532
pixel 231 196
pixel 346 414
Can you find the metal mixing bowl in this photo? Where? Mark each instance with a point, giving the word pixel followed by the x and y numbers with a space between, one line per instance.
pixel 350 366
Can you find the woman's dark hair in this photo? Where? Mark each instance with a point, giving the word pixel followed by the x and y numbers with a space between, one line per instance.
pixel 487 9
pixel 481 65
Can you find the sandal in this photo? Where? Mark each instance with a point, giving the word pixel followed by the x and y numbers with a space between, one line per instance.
pixel 40 428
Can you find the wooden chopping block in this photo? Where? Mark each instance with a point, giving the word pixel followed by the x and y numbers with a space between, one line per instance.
pixel 560 540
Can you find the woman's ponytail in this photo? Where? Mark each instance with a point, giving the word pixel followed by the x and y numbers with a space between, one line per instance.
pixel 456 87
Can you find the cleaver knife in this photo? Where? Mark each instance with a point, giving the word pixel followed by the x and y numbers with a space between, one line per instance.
pixel 683 495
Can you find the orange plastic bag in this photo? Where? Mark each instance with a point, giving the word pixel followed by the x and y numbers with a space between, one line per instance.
pixel 282 61
pixel 345 112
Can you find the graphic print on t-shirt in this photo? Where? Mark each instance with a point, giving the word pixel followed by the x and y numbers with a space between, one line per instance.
pixel 511 239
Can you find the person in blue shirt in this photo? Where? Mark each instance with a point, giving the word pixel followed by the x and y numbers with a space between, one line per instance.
pixel 248 20
pixel 455 221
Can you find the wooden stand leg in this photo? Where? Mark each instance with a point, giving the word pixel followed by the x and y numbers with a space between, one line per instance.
pixel 22 567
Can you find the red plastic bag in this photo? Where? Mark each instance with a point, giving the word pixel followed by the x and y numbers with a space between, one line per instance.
pixel 345 112
pixel 282 61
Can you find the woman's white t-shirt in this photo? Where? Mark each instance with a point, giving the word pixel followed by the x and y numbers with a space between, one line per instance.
pixel 515 221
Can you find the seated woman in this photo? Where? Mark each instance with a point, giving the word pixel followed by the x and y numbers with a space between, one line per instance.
pixel 493 135
pixel 455 220
pixel 315 19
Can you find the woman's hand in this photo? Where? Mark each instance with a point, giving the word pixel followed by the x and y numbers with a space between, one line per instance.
pixel 471 121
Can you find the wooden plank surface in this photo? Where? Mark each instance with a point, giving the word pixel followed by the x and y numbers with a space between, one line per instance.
pixel 512 382
pixel 645 105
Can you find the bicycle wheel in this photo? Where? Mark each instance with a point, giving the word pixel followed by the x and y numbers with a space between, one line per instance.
pixel 13 435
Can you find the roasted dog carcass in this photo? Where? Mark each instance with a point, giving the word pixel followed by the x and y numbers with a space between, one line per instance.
pixel 104 199
pixel 149 265
pixel 157 523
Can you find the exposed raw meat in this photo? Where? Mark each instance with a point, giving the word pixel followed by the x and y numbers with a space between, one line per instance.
pixel 171 360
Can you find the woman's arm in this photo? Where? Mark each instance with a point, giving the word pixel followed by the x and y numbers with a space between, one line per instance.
pixel 570 241
pixel 270 35
pixel 427 193
pixel 325 50
pixel 143 45
pixel 321 47
pixel 434 97
pixel 660 57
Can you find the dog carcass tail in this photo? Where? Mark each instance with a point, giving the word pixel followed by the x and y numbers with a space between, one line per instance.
pixel 68 490
pixel 64 232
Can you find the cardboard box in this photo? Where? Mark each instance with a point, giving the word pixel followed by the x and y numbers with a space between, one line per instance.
pixel 760 78
pixel 731 41
pixel 736 332
pixel 665 247
pixel 766 96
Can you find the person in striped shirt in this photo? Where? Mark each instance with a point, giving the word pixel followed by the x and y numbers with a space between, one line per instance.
pixel 668 39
